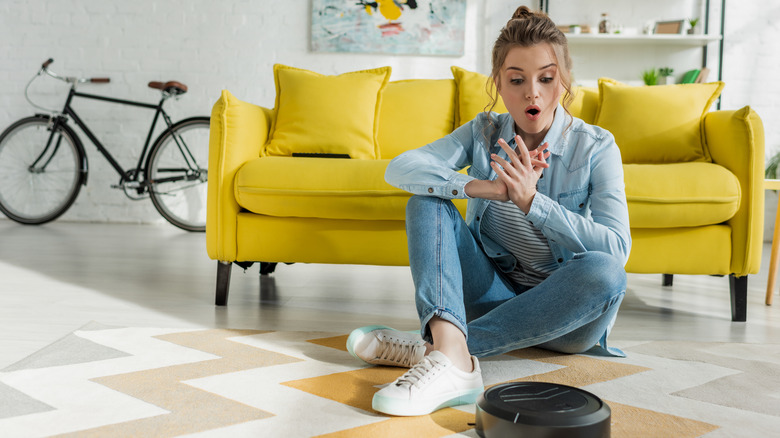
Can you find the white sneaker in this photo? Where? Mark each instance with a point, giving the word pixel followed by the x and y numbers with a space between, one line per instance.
pixel 432 384
pixel 381 345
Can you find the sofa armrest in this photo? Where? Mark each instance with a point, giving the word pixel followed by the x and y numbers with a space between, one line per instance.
pixel 736 141
pixel 238 133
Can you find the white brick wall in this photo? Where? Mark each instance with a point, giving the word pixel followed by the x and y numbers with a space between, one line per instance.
pixel 751 61
pixel 232 45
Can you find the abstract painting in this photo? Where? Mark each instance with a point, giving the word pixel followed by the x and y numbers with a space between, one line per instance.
pixel 407 27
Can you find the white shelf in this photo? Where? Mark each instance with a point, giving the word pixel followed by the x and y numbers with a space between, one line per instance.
pixel 682 40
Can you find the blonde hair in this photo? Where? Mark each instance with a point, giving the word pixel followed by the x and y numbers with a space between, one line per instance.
pixel 526 29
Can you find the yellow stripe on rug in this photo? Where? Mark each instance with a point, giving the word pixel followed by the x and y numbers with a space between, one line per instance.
pixel 191 409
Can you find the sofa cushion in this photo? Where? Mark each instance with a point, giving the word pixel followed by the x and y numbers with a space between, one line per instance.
pixel 585 104
pixel 657 124
pixel 414 113
pixel 473 97
pixel 329 188
pixel 680 194
pixel 318 114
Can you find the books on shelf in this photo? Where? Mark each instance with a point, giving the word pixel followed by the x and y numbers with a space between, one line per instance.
pixel 696 76
pixel 702 77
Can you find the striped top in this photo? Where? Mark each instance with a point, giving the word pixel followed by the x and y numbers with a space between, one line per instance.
pixel 507 225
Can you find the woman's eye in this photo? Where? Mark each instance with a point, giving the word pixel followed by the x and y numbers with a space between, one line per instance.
pixel 516 81
pixel 546 80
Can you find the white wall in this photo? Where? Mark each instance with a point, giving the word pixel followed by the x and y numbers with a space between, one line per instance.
pixel 232 45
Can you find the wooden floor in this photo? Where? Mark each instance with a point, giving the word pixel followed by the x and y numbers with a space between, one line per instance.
pixel 58 277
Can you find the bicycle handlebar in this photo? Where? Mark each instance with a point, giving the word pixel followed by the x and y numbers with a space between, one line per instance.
pixel 70 79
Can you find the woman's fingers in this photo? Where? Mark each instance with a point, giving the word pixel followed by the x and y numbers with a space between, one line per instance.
pixel 520 142
pixel 510 153
pixel 535 159
pixel 501 164
pixel 540 159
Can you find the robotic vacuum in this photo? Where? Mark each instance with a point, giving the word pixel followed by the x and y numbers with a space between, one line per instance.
pixel 539 409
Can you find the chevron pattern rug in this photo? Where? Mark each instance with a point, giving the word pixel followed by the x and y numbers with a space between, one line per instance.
pixel 106 381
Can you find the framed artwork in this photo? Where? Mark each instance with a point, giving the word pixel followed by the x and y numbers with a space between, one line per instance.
pixel 669 27
pixel 403 27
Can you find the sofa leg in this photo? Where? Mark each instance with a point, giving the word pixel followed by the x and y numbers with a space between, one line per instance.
pixel 667 281
pixel 223 282
pixel 738 287
pixel 267 268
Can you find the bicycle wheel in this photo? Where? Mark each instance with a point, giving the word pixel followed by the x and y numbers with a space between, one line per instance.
pixel 39 180
pixel 177 173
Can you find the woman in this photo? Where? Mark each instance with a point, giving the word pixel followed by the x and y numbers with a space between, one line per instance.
pixel 539 259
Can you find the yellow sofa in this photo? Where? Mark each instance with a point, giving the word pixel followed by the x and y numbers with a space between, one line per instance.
pixel 694 177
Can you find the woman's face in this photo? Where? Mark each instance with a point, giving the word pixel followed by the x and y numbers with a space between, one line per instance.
pixel 531 89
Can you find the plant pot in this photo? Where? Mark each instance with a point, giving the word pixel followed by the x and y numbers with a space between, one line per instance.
pixel 669 80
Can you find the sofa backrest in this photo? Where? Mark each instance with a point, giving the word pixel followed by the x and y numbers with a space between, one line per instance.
pixel 585 104
pixel 414 113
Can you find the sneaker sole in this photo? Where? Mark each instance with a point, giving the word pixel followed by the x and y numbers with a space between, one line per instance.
pixel 405 408
pixel 358 334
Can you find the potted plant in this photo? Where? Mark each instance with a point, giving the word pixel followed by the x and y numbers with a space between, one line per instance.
pixel 772 166
pixel 650 77
pixel 666 74
pixel 693 22
pixel 771 196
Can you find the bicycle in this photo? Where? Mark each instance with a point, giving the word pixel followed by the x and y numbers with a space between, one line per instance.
pixel 43 163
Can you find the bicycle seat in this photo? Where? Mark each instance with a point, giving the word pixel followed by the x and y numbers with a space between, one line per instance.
pixel 171 87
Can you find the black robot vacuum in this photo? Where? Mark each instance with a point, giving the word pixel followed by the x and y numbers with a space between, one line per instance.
pixel 539 409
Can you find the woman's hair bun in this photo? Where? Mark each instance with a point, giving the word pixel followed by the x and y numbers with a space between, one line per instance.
pixel 522 13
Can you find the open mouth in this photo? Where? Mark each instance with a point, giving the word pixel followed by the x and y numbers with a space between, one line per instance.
pixel 532 112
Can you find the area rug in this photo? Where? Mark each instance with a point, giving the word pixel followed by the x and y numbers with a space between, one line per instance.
pixel 106 381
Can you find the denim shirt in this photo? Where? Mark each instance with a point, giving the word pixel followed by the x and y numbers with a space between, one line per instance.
pixel 580 204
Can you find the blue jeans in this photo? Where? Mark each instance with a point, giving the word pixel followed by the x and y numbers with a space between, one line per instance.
pixel 571 311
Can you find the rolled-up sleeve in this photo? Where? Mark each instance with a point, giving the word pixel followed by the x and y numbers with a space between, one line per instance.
pixel 433 170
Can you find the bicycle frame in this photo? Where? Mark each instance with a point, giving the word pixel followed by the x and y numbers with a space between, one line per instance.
pixel 125 175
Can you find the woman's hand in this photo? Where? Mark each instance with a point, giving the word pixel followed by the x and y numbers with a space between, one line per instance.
pixel 520 174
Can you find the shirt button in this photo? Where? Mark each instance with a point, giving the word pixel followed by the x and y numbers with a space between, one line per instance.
pixel 541 176
pixel 430 189
pixel 477 217
pixel 582 205
pixel 560 260
pixel 455 193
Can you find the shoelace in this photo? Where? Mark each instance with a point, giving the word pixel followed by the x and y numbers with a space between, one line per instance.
pixel 397 350
pixel 418 373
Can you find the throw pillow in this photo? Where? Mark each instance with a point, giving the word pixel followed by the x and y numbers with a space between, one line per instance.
pixel 321 114
pixel 657 124
pixel 473 97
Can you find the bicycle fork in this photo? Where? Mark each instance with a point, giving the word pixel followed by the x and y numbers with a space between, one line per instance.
pixel 54 123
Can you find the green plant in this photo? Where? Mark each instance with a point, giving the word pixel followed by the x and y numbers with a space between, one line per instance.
pixel 693 22
pixel 665 71
pixel 650 77
pixel 772 166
